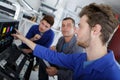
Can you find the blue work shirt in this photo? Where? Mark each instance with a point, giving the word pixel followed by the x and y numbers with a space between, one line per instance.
pixel 46 39
pixel 104 68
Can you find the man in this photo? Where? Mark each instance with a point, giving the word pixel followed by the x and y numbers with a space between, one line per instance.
pixel 66 44
pixel 43 35
pixel 96 27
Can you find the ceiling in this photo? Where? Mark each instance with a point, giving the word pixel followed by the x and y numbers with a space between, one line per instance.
pixel 115 5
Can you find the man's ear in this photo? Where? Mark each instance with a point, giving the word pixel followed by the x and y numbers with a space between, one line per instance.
pixel 97 29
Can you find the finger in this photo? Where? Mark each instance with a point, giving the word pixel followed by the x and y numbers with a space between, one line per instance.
pixel 48 67
pixel 14 35
pixel 17 31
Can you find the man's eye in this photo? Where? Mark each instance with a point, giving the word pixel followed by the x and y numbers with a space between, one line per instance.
pixel 46 26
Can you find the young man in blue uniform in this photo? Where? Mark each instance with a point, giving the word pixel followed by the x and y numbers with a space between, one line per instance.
pixel 97 26
pixel 68 45
pixel 43 35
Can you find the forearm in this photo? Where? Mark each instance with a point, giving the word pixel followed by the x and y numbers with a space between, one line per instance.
pixel 32 39
pixel 28 42
pixel 27 50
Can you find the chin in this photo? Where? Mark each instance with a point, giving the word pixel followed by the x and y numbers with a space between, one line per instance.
pixel 40 30
pixel 81 44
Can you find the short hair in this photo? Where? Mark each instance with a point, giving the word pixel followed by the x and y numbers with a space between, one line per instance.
pixel 69 18
pixel 102 15
pixel 49 19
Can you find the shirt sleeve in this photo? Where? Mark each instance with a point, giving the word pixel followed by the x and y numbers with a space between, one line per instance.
pixel 60 59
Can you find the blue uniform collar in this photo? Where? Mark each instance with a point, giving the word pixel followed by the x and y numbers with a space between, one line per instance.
pixel 97 65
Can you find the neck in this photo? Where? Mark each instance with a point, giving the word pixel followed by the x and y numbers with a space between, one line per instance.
pixel 96 51
pixel 68 38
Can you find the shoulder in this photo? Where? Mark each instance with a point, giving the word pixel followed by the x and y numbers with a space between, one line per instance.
pixel 78 48
pixel 61 39
pixel 34 26
pixel 78 58
pixel 50 31
pixel 49 34
pixel 112 72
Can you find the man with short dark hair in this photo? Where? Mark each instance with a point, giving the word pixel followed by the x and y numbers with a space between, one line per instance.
pixel 68 45
pixel 41 34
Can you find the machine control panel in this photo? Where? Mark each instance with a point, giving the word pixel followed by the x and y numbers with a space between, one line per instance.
pixel 6 28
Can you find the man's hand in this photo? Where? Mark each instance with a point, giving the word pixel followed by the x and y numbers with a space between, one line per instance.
pixel 28 42
pixel 17 35
pixel 36 37
pixel 53 48
pixel 51 71
pixel 27 51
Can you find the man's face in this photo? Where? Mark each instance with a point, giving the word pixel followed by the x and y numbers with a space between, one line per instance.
pixel 44 26
pixel 83 32
pixel 67 28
